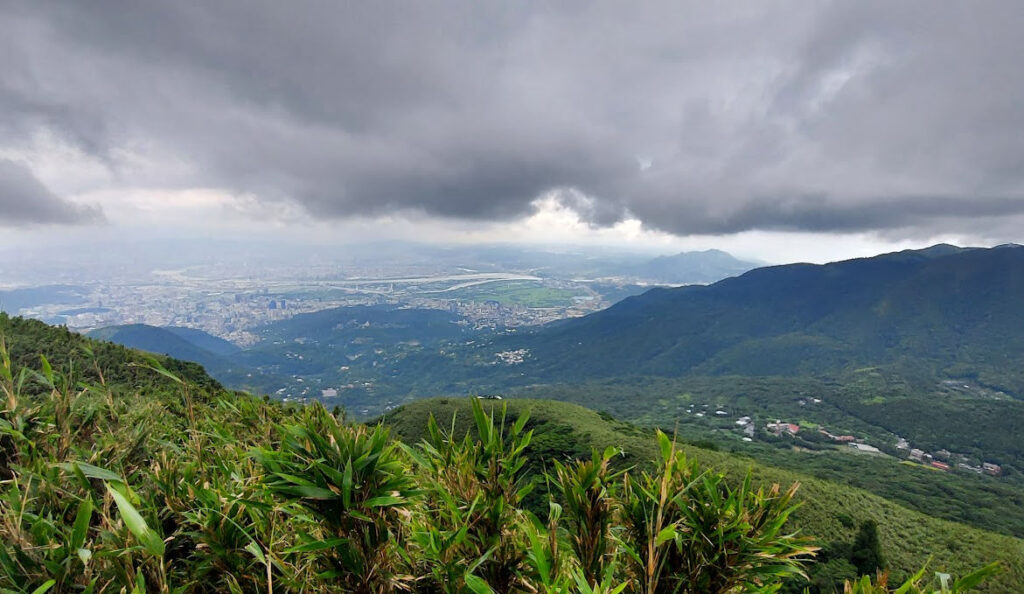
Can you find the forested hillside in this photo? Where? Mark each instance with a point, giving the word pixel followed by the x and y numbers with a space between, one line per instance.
pixel 992 503
pixel 941 312
pixel 830 512
pixel 181 343
pixel 121 471
pixel 923 345
pixel 91 360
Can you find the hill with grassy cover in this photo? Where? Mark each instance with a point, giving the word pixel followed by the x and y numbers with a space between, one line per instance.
pixel 941 312
pixel 118 472
pixel 181 343
pixel 927 345
pixel 830 512
pixel 688 406
pixel 94 361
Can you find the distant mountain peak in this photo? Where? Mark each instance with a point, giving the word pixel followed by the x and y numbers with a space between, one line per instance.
pixel 695 267
pixel 942 249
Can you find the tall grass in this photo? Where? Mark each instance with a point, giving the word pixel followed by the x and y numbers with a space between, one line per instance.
pixel 181 489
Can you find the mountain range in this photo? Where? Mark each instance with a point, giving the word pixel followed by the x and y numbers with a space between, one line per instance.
pixel 163 418
pixel 923 317
pixel 940 312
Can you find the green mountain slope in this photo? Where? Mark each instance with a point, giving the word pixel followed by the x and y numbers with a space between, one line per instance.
pixel 930 313
pixel 830 512
pixel 193 510
pixel 926 344
pixel 205 340
pixel 350 349
pixel 688 406
pixel 941 313
pixel 27 340
pixel 170 342
pixel 346 348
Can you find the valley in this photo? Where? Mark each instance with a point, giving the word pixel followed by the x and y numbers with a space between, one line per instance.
pixel 511 298
pixel 811 368
pixel 181 409
pixel 247 287
pixel 877 385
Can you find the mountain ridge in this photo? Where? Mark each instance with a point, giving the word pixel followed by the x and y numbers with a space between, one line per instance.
pixel 181 343
pixel 910 537
pixel 945 310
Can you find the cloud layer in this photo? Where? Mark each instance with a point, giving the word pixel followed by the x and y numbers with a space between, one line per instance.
pixel 24 200
pixel 695 118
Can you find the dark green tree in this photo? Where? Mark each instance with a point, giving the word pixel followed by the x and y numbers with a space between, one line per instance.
pixel 867 551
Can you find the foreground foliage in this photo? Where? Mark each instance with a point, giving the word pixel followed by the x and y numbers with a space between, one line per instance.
pixel 187 488
pixel 199 497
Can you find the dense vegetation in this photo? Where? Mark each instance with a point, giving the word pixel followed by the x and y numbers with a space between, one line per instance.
pixel 299 356
pixel 922 344
pixel 178 485
pixel 831 513
pixel 92 361
pixel 213 493
pixel 928 313
pixel 995 504
pixel 180 343
pixel 925 315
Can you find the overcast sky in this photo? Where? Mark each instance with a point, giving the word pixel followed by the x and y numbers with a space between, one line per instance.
pixel 778 130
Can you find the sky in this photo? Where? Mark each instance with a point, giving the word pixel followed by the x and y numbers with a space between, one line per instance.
pixel 782 131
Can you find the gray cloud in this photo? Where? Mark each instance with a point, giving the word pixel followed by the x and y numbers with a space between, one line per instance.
pixel 24 200
pixel 840 116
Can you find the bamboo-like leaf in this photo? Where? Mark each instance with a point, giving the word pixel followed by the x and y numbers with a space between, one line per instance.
pixel 666 446
pixel 517 428
pixel 256 551
pixel 91 471
pixel 318 545
pixel 972 580
pixel 667 533
pixel 906 588
pixel 154 365
pixel 478 585
pixel 81 525
pixel 47 371
pixel 137 525
pixel 45 587
pixel 346 485
pixel 140 583
pixel 383 501
pixel 484 423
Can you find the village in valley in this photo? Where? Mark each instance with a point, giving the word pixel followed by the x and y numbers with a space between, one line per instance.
pixel 779 429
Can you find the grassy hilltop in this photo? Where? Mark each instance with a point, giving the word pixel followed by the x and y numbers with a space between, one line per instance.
pixel 830 512
pixel 124 472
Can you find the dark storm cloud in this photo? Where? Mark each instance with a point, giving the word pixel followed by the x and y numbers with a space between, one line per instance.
pixel 695 118
pixel 24 200
pixel 817 213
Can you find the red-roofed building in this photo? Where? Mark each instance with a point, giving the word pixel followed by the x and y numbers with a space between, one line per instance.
pixel 779 427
